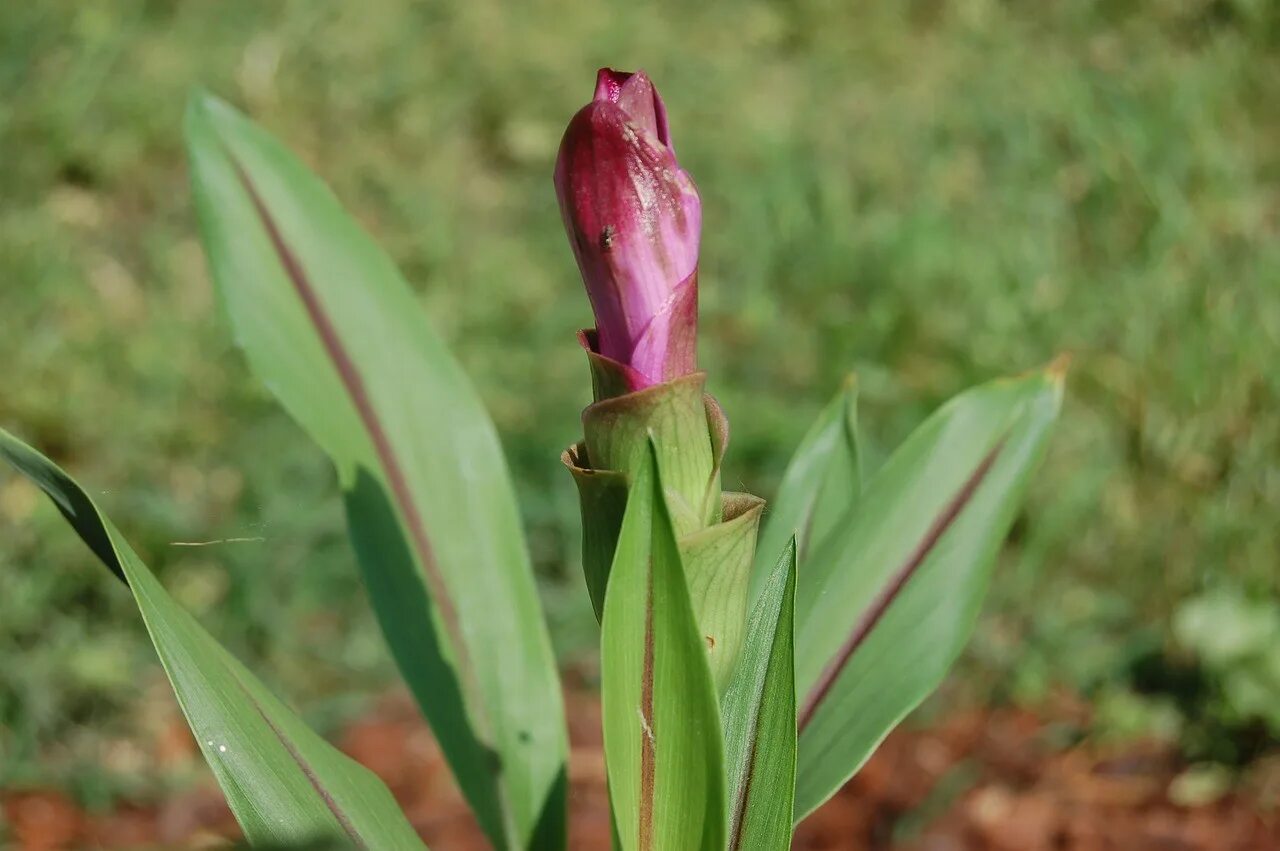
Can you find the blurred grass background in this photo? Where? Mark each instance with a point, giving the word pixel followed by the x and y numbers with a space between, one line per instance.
pixel 930 193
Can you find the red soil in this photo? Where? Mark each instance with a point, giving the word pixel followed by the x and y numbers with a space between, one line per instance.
pixel 980 779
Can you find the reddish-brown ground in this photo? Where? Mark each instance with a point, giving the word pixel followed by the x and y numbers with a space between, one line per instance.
pixel 980 779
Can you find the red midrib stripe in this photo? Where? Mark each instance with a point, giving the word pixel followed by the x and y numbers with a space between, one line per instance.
pixel 890 592
pixel 344 821
pixel 354 384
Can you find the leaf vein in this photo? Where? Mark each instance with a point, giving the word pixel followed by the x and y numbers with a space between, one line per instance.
pixel 867 622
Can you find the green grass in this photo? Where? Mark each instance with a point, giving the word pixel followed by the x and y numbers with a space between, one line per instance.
pixel 928 193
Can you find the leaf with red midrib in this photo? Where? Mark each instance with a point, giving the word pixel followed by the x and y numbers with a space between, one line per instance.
pixel 885 604
pixel 868 619
pixel 661 724
pixel 284 784
pixel 331 327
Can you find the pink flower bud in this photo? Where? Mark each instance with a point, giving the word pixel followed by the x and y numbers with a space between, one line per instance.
pixel 634 220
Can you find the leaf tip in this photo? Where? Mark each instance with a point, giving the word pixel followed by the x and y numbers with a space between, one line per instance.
pixel 650 464
pixel 1056 370
pixel 1055 374
pixel 200 101
pixel 849 394
pixel 207 113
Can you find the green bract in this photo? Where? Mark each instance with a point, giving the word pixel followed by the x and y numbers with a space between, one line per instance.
pixel 742 685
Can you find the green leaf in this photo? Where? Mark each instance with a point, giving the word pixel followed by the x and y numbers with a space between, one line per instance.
pixel 759 716
pixel 284 783
pixel 330 326
pixel 661 725
pixel 886 604
pixel 820 488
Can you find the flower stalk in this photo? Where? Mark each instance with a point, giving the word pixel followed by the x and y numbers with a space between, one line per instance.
pixel 633 218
